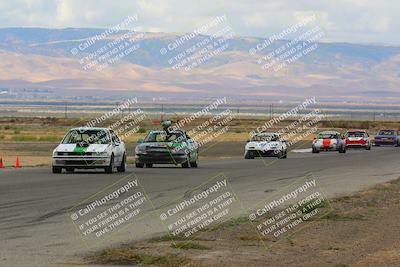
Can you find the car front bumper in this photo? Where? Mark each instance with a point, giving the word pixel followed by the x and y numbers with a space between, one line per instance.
pixel 82 162
pixel 263 153
pixel 380 142
pixel 160 158
pixel 356 144
pixel 326 148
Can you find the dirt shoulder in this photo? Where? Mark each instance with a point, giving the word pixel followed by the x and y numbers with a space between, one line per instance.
pixel 359 230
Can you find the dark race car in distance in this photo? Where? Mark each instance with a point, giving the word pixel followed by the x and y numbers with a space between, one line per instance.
pixel 358 138
pixel 161 147
pixel 387 137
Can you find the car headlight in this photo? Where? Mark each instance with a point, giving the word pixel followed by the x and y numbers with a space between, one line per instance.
pixel 180 150
pixel 54 153
pixel 140 149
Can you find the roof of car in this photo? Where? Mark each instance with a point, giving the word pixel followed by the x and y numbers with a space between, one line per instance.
pixel 162 131
pixel 357 130
pixel 329 132
pixel 267 133
pixel 89 128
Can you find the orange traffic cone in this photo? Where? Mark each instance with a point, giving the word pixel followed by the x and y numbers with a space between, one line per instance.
pixel 1 163
pixel 17 164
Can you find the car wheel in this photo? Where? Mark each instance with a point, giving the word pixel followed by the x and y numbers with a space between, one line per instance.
pixel 110 168
pixel 368 147
pixel 193 164
pixel 56 169
pixel 70 170
pixel 139 165
pixel 314 150
pixel 249 155
pixel 279 155
pixel 186 164
pixel 149 165
pixel 342 149
pixel 122 167
pixel 285 155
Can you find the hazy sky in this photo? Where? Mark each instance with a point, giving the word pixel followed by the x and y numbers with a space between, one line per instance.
pixel 360 21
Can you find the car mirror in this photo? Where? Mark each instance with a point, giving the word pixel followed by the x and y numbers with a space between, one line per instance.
pixel 117 143
pixel 247 141
pixel 140 141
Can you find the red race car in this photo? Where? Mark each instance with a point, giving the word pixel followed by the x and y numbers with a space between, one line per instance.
pixel 358 138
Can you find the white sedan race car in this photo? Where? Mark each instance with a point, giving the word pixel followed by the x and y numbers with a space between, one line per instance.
pixel 90 148
pixel 266 145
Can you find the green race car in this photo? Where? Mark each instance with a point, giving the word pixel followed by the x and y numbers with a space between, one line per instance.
pixel 167 147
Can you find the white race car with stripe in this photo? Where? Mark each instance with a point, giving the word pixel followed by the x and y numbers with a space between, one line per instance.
pixel 329 141
pixel 90 148
pixel 266 144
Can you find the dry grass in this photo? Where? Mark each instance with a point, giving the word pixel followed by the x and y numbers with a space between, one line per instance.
pixel 53 129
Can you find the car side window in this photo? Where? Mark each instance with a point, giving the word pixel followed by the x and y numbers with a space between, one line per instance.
pixel 114 137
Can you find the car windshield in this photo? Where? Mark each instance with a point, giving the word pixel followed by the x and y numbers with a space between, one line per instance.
pixel 355 134
pixel 271 137
pixel 164 137
pixel 328 136
pixel 386 132
pixel 86 136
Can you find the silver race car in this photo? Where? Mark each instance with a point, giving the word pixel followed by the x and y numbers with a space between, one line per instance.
pixel 329 141
pixel 90 148
pixel 266 144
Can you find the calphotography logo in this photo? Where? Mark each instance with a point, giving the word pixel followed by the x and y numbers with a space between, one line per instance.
pixel 205 43
pixel 113 209
pixel 289 210
pixel 115 43
pixel 209 204
pixel 305 41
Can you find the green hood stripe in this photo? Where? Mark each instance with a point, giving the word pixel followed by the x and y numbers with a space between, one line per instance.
pixel 79 149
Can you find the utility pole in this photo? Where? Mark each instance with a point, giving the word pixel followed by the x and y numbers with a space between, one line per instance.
pixel 271 111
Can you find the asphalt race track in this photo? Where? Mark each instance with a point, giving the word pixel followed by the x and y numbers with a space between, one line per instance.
pixel 35 225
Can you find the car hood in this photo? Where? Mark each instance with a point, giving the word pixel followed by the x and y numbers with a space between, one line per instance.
pixel 326 141
pixel 97 148
pixel 353 138
pixel 263 144
pixel 163 144
pixel 385 136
